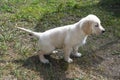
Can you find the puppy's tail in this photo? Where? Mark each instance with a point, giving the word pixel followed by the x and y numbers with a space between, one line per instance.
pixel 32 32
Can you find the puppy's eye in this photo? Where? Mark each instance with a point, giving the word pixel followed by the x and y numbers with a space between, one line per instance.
pixel 96 25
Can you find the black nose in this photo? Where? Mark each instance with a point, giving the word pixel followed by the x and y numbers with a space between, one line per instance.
pixel 103 31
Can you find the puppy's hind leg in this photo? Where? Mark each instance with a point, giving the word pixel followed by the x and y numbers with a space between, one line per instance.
pixel 42 58
pixel 67 52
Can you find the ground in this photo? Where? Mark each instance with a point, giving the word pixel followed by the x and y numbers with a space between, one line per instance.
pixel 18 50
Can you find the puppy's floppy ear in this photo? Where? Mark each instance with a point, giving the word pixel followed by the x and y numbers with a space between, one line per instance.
pixel 86 27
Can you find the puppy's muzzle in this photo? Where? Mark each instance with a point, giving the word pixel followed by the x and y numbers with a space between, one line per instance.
pixel 103 31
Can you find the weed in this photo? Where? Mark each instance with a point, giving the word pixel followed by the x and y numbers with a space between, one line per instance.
pixel 116 53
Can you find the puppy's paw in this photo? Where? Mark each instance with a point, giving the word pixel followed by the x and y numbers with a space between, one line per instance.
pixel 45 61
pixel 77 54
pixel 54 52
pixel 69 60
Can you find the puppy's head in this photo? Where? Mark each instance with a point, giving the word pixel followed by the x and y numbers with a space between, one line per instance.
pixel 92 25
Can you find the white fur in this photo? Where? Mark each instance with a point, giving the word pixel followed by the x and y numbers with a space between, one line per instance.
pixel 69 38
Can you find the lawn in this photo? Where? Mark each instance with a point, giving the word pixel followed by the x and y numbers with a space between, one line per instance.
pixel 18 50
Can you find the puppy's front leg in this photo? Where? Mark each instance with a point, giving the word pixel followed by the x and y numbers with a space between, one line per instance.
pixel 67 52
pixel 75 52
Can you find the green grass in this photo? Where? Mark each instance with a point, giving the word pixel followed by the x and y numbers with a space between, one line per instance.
pixel 18 49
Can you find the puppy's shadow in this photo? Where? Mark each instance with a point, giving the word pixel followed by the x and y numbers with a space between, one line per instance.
pixel 54 70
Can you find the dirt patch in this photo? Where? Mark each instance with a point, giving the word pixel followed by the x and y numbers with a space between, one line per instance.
pixel 110 67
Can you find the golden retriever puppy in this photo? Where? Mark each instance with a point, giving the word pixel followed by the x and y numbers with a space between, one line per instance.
pixel 69 37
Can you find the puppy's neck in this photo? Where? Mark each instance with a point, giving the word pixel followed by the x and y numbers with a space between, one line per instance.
pixel 81 34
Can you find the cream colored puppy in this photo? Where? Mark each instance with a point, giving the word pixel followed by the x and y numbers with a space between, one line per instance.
pixel 69 37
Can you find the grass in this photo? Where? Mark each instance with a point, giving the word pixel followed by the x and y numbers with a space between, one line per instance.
pixel 18 58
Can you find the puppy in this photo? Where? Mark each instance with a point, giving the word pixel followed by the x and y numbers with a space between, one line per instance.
pixel 69 37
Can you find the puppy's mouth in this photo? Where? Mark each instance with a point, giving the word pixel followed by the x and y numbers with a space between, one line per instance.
pixel 102 32
pixel 99 33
